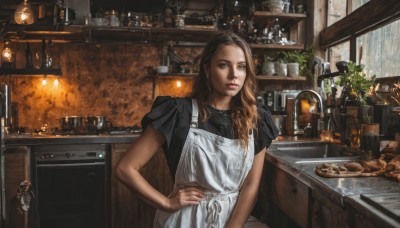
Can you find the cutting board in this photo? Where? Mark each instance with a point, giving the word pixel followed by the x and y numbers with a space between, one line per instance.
pixel 388 203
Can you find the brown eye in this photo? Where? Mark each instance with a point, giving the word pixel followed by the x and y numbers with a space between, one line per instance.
pixel 223 65
pixel 242 67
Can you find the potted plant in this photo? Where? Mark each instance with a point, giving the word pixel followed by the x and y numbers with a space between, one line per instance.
pixel 296 63
pixel 268 67
pixel 357 87
pixel 303 60
pixel 281 64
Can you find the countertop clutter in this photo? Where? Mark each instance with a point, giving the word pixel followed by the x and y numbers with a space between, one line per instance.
pixel 376 199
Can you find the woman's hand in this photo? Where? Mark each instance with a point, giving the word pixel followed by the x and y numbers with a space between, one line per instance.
pixel 184 197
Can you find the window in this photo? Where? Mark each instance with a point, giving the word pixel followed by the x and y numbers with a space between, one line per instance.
pixel 380 53
pixel 377 35
pixel 357 3
pixel 336 10
pixel 338 53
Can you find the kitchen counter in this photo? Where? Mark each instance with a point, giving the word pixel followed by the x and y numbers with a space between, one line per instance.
pixel 344 191
pixel 31 140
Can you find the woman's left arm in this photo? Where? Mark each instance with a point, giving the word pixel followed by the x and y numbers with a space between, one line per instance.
pixel 248 193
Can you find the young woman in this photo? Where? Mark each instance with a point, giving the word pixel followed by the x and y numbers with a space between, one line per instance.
pixel 214 141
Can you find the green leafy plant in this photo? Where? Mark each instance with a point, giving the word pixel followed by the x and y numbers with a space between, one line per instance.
pixel 357 82
pixel 268 58
pixel 304 58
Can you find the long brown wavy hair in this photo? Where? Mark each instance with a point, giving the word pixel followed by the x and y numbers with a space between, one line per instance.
pixel 243 104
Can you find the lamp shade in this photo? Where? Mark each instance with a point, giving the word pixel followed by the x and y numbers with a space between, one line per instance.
pixel 23 14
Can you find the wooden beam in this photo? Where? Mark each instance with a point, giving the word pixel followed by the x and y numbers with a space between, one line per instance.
pixel 371 15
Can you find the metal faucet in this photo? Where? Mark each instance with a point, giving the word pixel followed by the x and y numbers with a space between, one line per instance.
pixel 296 130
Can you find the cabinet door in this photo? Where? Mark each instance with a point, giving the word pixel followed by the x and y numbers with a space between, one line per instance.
pixel 326 213
pixel 127 209
pixel 17 169
pixel 279 189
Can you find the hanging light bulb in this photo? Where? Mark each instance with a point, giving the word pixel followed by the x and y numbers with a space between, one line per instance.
pixel 55 83
pixel 23 14
pixel 44 81
pixel 6 54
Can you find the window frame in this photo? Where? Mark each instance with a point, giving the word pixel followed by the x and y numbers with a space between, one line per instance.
pixel 355 24
pixel 379 13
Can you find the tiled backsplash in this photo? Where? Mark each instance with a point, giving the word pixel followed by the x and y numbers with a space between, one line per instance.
pixel 113 80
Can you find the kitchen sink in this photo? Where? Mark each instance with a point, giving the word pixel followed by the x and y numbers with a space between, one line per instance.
pixel 314 151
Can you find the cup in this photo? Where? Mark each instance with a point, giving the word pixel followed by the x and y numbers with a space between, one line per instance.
pixel 281 69
pixel 180 21
pixel 268 68
pixel 369 141
pixel 293 69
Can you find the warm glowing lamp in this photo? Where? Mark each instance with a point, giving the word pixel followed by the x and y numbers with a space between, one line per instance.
pixel 178 84
pixel 23 14
pixel 55 83
pixel 44 81
pixel 7 56
pixel 6 53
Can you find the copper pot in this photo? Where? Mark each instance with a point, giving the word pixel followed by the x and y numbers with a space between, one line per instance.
pixel 71 123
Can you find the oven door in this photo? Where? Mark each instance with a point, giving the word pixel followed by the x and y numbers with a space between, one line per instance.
pixel 71 193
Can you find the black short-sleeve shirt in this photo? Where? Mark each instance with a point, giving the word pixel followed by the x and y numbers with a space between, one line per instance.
pixel 172 116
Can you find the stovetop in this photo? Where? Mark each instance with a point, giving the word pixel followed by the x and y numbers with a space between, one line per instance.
pixel 388 203
pixel 115 130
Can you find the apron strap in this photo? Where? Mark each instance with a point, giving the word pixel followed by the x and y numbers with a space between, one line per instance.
pixel 195 114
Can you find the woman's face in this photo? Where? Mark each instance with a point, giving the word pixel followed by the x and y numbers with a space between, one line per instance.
pixel 227 71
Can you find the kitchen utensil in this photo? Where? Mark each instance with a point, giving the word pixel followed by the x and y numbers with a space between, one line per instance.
pixel 71 123
pixel 94 123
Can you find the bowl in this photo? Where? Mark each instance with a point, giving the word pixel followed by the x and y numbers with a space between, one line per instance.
pixel 161 69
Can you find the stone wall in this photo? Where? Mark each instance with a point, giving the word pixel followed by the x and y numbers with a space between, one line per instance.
pixel 113 80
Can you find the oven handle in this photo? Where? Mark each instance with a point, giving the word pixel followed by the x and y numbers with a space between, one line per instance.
pixel 72 164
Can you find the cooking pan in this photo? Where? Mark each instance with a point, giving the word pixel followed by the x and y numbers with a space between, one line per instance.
pixel 71 123
pixel 94 123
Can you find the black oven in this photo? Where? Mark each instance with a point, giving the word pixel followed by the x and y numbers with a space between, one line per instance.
pixel 71 186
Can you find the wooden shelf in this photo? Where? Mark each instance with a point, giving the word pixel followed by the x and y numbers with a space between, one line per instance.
pixel 280 78
pixel 31 72
pixel 82 33
pixel 289 21
pixel 284 18
pixel 175 76
pixel 278 46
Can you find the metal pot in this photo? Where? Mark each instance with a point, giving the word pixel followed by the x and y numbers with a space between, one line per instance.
pixel 71 123
pixel 94 123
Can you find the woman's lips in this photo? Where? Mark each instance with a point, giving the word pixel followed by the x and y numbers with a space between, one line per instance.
pixel 232 86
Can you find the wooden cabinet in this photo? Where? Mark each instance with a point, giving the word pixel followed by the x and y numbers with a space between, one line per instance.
pixel 127 210
pixel 326 213
pixel 292 22
pixel 294 25
pixel 284 198
pixel 17 170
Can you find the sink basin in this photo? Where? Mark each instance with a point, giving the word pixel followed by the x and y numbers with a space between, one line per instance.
pixel 310 151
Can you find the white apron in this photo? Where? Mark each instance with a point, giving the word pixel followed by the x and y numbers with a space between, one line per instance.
pixel 216 164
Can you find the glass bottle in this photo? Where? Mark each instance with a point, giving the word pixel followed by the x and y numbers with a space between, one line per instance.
pixel 349 114
pixel 56 12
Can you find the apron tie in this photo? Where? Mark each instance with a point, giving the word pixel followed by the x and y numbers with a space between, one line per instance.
pixel 214 209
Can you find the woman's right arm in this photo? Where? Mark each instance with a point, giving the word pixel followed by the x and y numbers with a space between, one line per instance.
pixel 136 157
